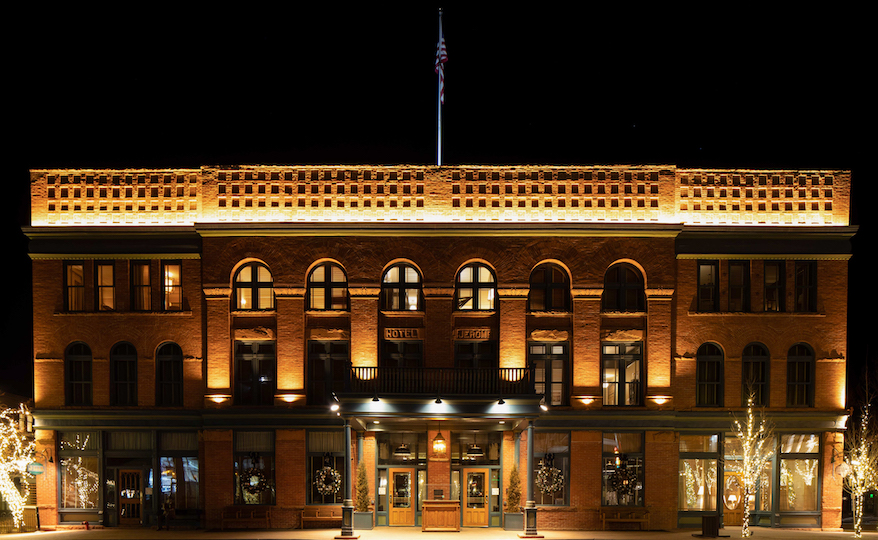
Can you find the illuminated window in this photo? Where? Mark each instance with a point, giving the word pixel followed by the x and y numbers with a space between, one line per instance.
pixel 123 375
pixel 755 362
pixel 709 376
pixel 327 287
pixel 476 288
pixel 141 291
pixel 549 289
pixel 169 376
pixel 77 365
pixel 622 373
pixel 623 289
pixel 697 484
pixel 549 363
pixel 800 376
pixel 74 287
pixel 172 286
pixel 105 288
pixel 401 288
pixel 254 288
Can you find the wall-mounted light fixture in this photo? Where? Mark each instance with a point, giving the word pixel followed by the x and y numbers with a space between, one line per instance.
pixel 439 443
pixel 218 398
pixel 660 400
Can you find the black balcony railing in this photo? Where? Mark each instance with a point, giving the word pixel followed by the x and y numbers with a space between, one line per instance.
pixel 505 382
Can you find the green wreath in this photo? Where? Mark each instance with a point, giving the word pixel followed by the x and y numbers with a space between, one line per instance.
pixel 623 482
pixel 549 479
pixel 328 481
pixel 253 481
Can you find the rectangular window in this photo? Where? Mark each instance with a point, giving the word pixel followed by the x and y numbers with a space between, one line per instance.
pixel 402 354
pixel 622 473
pixel 621 373
pixel 739 285
pixel 774 285
pixel 475 354
pixel 74 287
pixel 799 473
pixel 141 292
pixel 697 486
pixel 708 286
pixel 172 286
pixel 179 471
pixel 105 286
pixel 255 367
pixel 254 467
pixel 325 467
pixel 549 362
pixel 806 286
pixel 551 468
pixel 80 471
pixel 329 365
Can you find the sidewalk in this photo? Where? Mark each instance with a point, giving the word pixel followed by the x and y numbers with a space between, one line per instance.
pixel 406 533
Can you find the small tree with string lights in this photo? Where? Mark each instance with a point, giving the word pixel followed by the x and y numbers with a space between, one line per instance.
pixel 860 468
pixel 16 452
pixel 755 433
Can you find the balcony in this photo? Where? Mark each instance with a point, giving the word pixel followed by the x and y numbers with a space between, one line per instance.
pixel 419 381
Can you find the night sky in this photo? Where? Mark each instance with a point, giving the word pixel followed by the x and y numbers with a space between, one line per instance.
pixel 695 87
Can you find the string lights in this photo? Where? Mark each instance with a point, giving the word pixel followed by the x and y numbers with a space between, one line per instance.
pixel 16 452
pixel 860 470
pixel 755 436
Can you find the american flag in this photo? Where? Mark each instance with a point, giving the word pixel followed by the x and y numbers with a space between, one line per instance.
pixel 441 58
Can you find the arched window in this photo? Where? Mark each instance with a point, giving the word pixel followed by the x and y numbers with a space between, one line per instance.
pixel 169 376
pixel 800 376
pixel 709 376
pixel 549 289
pixel 623 289
pixel 476 288
pixel 401 288
pixel 77 367
pixel 754 378
pixel 254 289
pixel 327 287
pixel 123 375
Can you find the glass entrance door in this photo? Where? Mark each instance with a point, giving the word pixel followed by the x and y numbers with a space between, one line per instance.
pixel 475 497
pixel 402 497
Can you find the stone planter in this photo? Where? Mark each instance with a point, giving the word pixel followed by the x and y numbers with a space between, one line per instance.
pixel 513 521
pixel 363 520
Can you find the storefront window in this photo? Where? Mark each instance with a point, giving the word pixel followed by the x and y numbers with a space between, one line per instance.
pixel 325 467
pixel 799 473
pixel 80 478
pixel 698 472
pixel 254 467
pixel 551 468
pixel 622 483
pixel 178 467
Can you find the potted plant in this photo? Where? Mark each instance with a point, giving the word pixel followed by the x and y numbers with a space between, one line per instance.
pixel 513 518
pixel 362 514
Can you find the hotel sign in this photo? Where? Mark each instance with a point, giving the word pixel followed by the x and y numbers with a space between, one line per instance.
pixel 403 333
pixel 473 333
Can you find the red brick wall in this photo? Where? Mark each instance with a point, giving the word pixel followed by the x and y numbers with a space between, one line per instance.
pixel 219 478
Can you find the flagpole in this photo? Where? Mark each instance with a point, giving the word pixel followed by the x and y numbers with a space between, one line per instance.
pixel 439 96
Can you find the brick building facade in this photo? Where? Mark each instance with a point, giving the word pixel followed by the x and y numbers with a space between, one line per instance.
pixel 203 337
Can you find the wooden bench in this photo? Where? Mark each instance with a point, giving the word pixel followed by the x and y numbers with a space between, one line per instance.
pixel 320 515
pixel 237 517
pixel 625 515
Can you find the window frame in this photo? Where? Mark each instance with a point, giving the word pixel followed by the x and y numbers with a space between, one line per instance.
pixel 742 289
pixel 327 285
pixel 617 289
pixel 254 285
pixel 335 455
pixel 548 371
pixel 78 391
pixel 265 457
pixel 806 293
pixel 709 375
pixel 141 293
pixel 74 292
pixel 708 293
pixel 101 287
pixel 123 375
pixel 169 376
pixel 260 393
pixel 778 287
pixel 477 286
pixel 400 287
pixel 621 368
pixel 566 464
pixel 641 456
pixel 327 363
pixel 175 288
pixel 801 365
pixel 762 395
pixel 546 286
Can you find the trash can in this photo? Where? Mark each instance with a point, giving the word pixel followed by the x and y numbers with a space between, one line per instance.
pixel 710 525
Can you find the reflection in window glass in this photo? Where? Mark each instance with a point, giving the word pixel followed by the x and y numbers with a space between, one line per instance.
pixel 79 482
pixel 179 481
pixel 798 485
pixel 622 476
pixel 697 484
